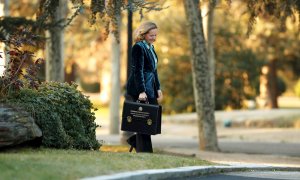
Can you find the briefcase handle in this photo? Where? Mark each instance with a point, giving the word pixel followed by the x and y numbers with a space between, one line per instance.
pixel 145 102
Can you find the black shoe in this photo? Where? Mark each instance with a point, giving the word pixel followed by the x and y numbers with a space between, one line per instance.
pixel 132 142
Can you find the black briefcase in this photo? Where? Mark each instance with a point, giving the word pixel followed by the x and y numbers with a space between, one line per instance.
pixel 141 118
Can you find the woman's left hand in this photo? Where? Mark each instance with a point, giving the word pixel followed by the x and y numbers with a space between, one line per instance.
pixel 160 95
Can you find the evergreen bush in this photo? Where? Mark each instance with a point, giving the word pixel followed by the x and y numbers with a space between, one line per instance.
pixel 63 113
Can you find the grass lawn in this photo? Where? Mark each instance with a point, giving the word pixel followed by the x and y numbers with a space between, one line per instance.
pixel 27 163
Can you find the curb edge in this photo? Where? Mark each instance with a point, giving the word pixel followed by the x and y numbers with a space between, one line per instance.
pixel 188 171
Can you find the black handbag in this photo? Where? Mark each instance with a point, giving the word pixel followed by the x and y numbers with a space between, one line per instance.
pixel 142 118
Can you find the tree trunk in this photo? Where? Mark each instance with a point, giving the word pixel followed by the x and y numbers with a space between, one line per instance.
pixel 129 38
pixel 268 86
pixel 272 84
pixel 263 99
pixel 210 48
pixel 55 45
pixel 201 79
pixel 126 134
pixel 115 83
pixel 4 11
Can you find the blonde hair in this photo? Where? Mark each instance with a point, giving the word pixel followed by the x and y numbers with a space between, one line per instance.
pixel 144 28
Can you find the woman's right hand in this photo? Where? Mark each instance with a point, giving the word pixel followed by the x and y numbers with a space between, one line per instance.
pixel 143 96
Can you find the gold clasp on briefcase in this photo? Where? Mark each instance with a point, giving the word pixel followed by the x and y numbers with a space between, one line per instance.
pixel 149 122
pixel 129 119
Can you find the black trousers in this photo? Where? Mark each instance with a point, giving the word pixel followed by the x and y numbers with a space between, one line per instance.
pixel 141 142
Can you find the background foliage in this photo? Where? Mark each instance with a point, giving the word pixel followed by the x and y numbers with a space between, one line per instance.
pixel 237 66
pixel 275 36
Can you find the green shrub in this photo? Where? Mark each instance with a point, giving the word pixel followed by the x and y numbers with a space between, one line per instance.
pixel 297 88
pixel 63 113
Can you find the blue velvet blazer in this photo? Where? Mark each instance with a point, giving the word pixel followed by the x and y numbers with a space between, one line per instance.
pixel 143 76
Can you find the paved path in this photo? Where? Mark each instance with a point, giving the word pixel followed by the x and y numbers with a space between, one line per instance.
pixel 254 175
pixel 227 146
pixel 203 172
pixel 239 115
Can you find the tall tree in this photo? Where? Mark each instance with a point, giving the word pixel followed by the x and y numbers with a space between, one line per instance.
pixel 201 80
pixel 127 134
pixel 115 73
pixel 54 43
pixel 4 12
pixel 129 37
pixel 210 46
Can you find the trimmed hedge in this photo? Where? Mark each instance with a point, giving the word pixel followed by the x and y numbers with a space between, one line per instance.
pixel 63 113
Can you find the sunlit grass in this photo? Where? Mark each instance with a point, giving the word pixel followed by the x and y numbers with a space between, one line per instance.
pixel 114 148
pixel 72 164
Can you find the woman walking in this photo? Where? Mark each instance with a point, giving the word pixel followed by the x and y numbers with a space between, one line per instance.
pixel 143 83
